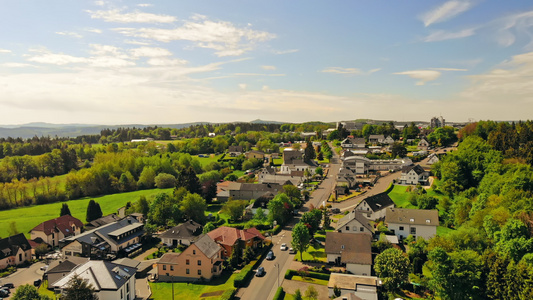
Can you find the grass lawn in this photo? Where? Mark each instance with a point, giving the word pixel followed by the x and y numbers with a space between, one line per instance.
pixel 204 161
pixel 314 252
pixel 43 290
pixel 412 148
pixel 310 280
pixel 346 197
pixel 183 290
pixel 442 230
pixel 400 197
pixel 278 161
pixel 28 217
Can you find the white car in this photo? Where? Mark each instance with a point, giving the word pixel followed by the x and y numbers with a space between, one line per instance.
pixel 283 247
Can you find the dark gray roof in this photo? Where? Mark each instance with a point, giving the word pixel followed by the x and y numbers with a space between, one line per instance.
pixel 102 233
pixel 417 168
pixel 10 245
pixel 429 217
pixel 207 245
pixel 102 221
pixel 355 215
pixel 265 187
pixel 187 230
pixel 379 201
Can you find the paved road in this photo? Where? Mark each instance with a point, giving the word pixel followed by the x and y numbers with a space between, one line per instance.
pixel 24 276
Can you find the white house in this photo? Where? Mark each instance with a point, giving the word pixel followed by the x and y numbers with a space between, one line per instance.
pixel 423 144
pixel 364 287
pixel 432 159
pixel 416 222
pixel 374 207
pixel 414 174
pixel 354 222
pixel 376 139
pixel 351 249
pixel 353 143
pixel 111 281
pixel 293 161
pixel 388 140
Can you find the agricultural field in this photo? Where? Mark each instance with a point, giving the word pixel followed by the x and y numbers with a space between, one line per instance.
pixel 28 217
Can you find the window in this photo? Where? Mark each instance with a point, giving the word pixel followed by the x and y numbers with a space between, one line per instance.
pixel 164 267
pixel 413 230
pixel 171 268
pixel 187 271
pixel 187 262
pixel 348 228
pixel 193 251
pixel 361 229
pixel 199 262
pixel 401 228
pixel 199 272
pixel 121 294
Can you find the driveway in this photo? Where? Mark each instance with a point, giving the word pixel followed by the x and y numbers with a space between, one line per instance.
pixel 24 276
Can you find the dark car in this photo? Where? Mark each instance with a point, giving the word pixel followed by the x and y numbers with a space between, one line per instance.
pixel 260 272
pixel 336 210
pixel 9 285
pixel 270 255
pixel 37 282
pixel 4 292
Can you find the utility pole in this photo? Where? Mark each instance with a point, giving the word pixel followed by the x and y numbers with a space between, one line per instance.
pixel 172 287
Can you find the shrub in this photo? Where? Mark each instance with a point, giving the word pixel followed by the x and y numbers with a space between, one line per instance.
pixel 289 274
pixel 280 294
pixel 244 275
pixel 228 295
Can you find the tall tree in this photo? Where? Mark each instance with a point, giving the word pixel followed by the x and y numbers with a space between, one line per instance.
pixel 64 210
pixel 309 152
pixel 194 206
pixel 93 211
pixel 300 238
pixel 79 289
pixel 12 228
pixel 392 266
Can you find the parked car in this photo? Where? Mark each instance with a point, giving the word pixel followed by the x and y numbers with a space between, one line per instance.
pixel 37 282
pixel 292 251
pixel 270 255
pixel 9 285
pixel 260 272
pixel 44 268
pixel 336 210
pixel 4 292
pixel 283 247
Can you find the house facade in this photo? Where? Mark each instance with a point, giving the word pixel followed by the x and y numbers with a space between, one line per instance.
pixel 416 222
pixel 423 144
pixel 349 143
pixel 110 281
pixel 354 250
pixel 388 140
pixel 362 165
pixel 202 259
pixel 374 207
pixel 376 139
pixel 183 234
pixel 414 174
pixel 14 250
pixel 255 154
pixel 354 222
pixel 52 231
pixel 293 161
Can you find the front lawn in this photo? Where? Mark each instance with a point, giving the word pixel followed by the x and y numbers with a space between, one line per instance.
pixel 315 252
pixel 400 196
pixel 310 280
pixel 184 290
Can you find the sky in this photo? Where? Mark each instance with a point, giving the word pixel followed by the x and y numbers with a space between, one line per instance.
pixel 175 61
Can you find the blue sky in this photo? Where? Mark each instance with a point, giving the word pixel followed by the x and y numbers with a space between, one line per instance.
pixel 162 62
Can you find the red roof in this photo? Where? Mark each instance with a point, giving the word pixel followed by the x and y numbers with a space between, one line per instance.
pixel 63 224
pixel 229 236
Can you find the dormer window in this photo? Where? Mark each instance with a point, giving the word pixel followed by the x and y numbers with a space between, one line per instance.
pixel 342 247
pixel 411 220
pixel 428 221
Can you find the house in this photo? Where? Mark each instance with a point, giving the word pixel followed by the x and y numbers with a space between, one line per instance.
pixel 228 238
pixel 363 287
pixel 363 165
pixel 353 143
pixel 374 207
pixel 14 250
pixel 355 152
pixel 416 222
pixel 388 140
pixel 376 139
pixel 104 220
pixel 354 222
pixel 52 231
pixel 423 144
pixel 432 159
pixel 183 234
pixel 293 160
pixel 143 267
pixel 247 191
pixel 269 175
pixel 201 260
pixel 58 269
pixel 120 238
pixel 414 174
pixel 351 249
pixel 110 281
pixel 349 126
pixel 235 150
pixel 255 154
pixel 349 296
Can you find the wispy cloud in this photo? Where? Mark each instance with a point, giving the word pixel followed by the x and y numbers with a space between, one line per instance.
pixel 150 52
pixel 445 12
pixel 285 51
pixel 145 5
pixel 224 37
pixel 93 30
pixel 5 51
pixel 269 68
pixel 17 65
pixel 115 15
pixel 449 69
pixel 242 86
pixel 442 35
pixel 422 75
pixel 69 33
pixel 508 28
pixel 341 70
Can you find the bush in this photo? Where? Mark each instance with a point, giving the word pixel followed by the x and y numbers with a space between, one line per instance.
pixel 290 273
pixel 244 275
pixel 280 294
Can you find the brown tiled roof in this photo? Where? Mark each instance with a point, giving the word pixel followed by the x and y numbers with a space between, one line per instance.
pixel 63 224
pixel 353 247
pixel 412 216
pixel 229 236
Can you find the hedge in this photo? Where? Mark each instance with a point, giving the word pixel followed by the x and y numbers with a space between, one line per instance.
pixel 228 295
pixel 391 186
pixel 280 294
pixel 290 273
pixel 246 273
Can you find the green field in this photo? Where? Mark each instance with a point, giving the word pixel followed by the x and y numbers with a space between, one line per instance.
pixel 28 217
pixel 401 197
pixel 204 161
pixel 183 290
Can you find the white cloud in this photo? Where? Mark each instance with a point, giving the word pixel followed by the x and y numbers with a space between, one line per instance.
pixel 269 68
pixel 341 70
pixel 93 30
pixel 449 69
pixel 242 86
pixel 442 35
pixel 56 59
pixel 132 42
pixel 258 74
pixel 224 37
pixel 160 61
pixel 145 5
pixel 445 12
pixel 99 3
pixel 265 88
pixel 16 65
pixel 117 16
pixel 286 51
pixel 374 70
pixel 72 34
pixel 107 50
pixel 508 28
pixel 150 52
pixel 422 75
pixel 5 51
